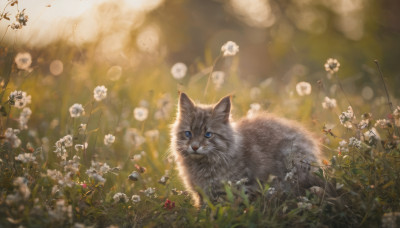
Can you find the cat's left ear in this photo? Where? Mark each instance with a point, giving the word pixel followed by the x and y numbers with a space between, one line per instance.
pixel 223 109
pixel 186 105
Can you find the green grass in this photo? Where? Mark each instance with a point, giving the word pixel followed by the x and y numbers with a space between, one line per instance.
pixel 368 176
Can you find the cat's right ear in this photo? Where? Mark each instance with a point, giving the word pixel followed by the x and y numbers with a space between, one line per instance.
pixel 186 105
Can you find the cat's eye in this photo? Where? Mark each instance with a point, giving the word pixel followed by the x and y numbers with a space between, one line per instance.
pixel 188 134
pixel 208 134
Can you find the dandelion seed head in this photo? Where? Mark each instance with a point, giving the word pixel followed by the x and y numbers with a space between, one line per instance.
pixel 347 117
pixel 353 142
pixel 120 198
pixel 329 103
pixel 218 78
pixel 230 48
pixel 332 65
pixel 24 117
pixel 109 139
pixel 135 198
pixel 149 192
pixel 178 70
pixel 140 113
pixel 100 93
pixel 25 158
pixel 76 110
pixel 303 88
pixel 23 61
pixel 11 136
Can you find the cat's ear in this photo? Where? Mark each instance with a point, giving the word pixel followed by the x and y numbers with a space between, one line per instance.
pixel 186 105
pixel 223 109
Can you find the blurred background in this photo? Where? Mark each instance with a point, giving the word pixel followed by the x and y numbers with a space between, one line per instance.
pixel 130 46
pixel 275 37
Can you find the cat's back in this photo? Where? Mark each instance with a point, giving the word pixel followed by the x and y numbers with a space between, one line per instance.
pixel 269 142
pixel 269 126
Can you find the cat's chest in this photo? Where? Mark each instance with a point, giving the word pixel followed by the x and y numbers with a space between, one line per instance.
pixel 206 175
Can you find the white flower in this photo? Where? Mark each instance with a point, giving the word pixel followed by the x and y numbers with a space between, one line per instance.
pixel 384 123
pixel 76 110
pixel 22 184
pixel 24 117
pixel 332 65
pixel 303 88
pixel 68 141
pixel 149 191
pixel 343 146
pixel 25 157
pixel 97 170
pixel 79 147
pixel 23 61
pixel 329 103
pixel 217 78
pixel 11 135
pixel 120 197
pixel 230 48
pixel 178 70
pixel 19 99
pixel 271 191
pixel 104 168
pixel 347 117
pixel 140 113
pixel 100 92
pixel 109 139
pixel 62 144
pixel 135 198
pixel 355 142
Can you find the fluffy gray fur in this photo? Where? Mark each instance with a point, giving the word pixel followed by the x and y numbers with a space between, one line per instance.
pixel 251 148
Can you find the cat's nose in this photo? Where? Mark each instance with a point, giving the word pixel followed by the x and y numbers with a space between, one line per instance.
pixel 194 148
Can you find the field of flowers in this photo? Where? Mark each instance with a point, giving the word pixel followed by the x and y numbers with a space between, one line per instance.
pixel 86 144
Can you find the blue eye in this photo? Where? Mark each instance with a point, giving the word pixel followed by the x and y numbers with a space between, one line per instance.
pixel 208 134
pixel 188 134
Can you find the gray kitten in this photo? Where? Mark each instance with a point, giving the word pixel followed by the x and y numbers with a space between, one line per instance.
pixel 211 150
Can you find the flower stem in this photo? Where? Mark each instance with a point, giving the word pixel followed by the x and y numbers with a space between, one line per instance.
pixel 209 76
pixel 387 93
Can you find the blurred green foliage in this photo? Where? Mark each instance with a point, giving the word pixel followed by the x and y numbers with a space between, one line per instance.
pixel 288 45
